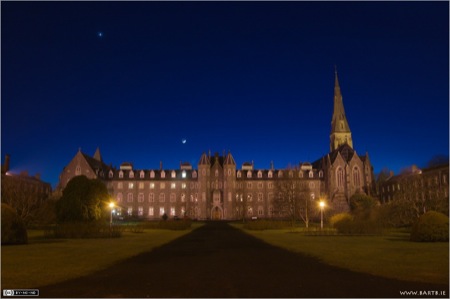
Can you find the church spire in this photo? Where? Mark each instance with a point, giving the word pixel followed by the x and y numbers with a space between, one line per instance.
pixel 340 130
pixel 97 155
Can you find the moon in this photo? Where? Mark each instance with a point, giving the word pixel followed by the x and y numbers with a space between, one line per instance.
pixel 184 140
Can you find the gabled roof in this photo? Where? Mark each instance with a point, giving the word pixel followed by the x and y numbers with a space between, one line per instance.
pixel 229 160
pixel 96 165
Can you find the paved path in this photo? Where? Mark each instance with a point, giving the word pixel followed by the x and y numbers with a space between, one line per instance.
pixel 218 260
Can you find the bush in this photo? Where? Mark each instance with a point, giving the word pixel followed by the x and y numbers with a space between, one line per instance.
pixel 81 230
pixel 431 227
pixel 339 217
pixel 13 228
pixel 266 224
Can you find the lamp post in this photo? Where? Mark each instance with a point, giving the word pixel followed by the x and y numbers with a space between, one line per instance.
pixel 111 206
pixel 322 205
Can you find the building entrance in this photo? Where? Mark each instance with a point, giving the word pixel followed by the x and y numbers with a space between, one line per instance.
pixel 216 213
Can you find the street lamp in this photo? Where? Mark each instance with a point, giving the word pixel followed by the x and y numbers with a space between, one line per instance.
pixel 322 205
pixel 111 206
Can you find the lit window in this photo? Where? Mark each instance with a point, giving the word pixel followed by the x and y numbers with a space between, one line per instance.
pixel 183 174
pixel 161 211
pixel 162 185
pixel 250 211
pixel 152 185
pixel 121 174
pixel 321 174
pixel 111 174
pixel 173 186
pixel 229 196
pixel 249 174
pixel 130 197
pixel 141 185
pixel 174 175
pixel 130 185
pixel 311 174
pixel 183 197
pixel 172 211
pixel 270 174
pixel 130 211
pixel 249 197
pixel 152 174
pixel 183 185
pixel 163 174
pixel 239 174
pixel 150 211
pixel 259 174
pixel 140 211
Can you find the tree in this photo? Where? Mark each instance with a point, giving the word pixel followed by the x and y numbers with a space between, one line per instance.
pixel 82 200
pixel 362 205
pixel 292 199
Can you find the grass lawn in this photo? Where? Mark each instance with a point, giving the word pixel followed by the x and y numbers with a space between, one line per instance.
pixel 391 255
pixel 47 261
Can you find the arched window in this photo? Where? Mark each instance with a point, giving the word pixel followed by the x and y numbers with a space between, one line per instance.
pixel 163 174
pixel 162 197
pixel 194 174
pixel 340 177
pixel 321 174
pixel 183 174
pixel 239 174
pixel 141 197
pixel 78 170
pixel 300 175
pixel 174 175
pixel 270 174
pixel 130 197
pixel 121 174
pixel 151 197
pixel 152 174
pixel 356 177
pixel 280 174
pixel 111 174
pixel 249 174
pixel 131 175
pixel 216 173
pixel 259 174
pixel 311 174
pixel 119 197
pixel 141 174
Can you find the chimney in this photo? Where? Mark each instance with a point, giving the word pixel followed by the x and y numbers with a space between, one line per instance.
pixel 6 166
pixel 271 165
pixel 160 165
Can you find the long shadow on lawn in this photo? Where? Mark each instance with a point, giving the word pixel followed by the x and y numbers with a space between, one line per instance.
pixel 217 260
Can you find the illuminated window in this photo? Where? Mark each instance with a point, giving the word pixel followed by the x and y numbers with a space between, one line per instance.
pixel 141 211
pixel 162 185
pixel 150 211
pixel 239 174
pixel 163 174
pixel 174 175
pixel 172 211
pixel 141 174
pixel 183 197
pixel 141 185
pixel 183 185
pixel 229 196
pixel 130 185
pixel 152 174
pixel 152 185
pixel 250 197
pixel 249 174
pixel 131 175
pixel 173 186
pixel 161 211
pixel 111 174
pixel 183 174
pixel 250 211
pixel 321 174
pixel 130 211
pixel 311 174
pixel 259 174
pixel 270 174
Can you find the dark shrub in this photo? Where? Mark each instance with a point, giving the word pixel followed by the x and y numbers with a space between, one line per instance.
pixel 13 228
pixel 431 227
pixel 78 230
pixel 339 217
pixel 346 224
pixel 266 224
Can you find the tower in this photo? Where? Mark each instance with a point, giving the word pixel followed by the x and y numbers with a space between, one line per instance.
pixel 340 130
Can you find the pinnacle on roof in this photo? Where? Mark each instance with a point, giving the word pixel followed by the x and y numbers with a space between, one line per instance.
pixel 204 160
pixel 339 121
pixel 229 160
pixel 97 155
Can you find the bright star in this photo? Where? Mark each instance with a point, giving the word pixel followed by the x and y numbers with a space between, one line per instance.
pixel 183 140
pixel 100 34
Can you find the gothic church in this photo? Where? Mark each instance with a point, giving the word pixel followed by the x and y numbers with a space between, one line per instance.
pixel 217 187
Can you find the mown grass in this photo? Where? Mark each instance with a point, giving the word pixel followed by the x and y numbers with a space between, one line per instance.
pixel 390 255
pixel 46 261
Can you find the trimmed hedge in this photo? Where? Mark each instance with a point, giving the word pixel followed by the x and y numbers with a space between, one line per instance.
pixel 348 225
pixel 13 228
pixel 266 224
pixel 84 230
pixel 431 227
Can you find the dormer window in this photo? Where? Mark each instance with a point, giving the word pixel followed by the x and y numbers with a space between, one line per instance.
pixel 291 174
pixel 300 174
pixel 183 174
pixel 311 174
pixel 131 175
pixel 270 174
pixel 173 174
pixel 163 174
pixel 111 174
pixel 152 174
pixel 259 174
pixel 121 174
pixel 249 174
pixel 321 174
pixel 78 170
pixel 239 174
pixel 280 174
pixel 141 174
pixel 194 174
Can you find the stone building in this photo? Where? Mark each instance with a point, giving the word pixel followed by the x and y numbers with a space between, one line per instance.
pixel 219 189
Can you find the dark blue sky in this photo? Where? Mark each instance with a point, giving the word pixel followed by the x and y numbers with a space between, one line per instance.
pixel 255 78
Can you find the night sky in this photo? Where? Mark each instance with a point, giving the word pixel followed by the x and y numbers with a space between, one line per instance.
pixel 253 78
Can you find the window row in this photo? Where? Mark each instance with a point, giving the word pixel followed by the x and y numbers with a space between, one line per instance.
pixel 152 174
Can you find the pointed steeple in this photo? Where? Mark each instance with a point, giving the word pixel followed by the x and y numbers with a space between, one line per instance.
pixel 204 160
pixel 97 155
pixel 229 160
pixel 340 130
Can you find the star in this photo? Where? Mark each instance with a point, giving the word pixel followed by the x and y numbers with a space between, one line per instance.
pixel 100 34
pixel 184 140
